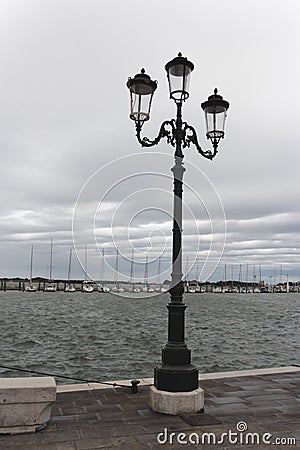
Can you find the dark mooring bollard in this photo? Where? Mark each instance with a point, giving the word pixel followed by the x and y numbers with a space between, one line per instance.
pixel 134 386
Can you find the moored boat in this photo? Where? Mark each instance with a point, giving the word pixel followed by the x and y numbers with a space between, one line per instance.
pixel 87 286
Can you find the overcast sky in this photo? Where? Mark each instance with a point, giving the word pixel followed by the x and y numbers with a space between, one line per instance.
pixel 68 147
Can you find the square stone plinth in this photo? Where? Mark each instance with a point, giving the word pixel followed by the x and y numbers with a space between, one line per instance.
pixel 176 403
pixel 25 404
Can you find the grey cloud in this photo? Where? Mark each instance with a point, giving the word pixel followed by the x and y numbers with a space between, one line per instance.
pixel 64 117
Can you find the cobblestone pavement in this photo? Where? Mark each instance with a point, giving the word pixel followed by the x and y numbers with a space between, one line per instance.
pixel 115 418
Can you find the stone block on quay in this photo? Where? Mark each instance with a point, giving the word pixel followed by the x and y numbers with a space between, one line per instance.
pixel 25 404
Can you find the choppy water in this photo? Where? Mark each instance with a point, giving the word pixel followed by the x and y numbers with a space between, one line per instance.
pixel 105 337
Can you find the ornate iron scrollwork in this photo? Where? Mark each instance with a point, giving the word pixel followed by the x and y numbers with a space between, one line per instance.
pixel 186 134
pixel 191 138
pixel 164 132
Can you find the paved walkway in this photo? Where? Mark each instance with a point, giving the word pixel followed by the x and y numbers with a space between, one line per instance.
pixel 114 418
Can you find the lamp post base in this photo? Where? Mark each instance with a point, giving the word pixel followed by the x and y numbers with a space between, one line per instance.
pixel 175 378
pixel 176 403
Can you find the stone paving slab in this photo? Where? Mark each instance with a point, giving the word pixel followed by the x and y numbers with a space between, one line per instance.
pixel 116 419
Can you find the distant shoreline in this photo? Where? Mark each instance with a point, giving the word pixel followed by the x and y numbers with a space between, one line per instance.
pixel 193 286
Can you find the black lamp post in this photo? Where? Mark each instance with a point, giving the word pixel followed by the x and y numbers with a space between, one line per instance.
pixel 176 373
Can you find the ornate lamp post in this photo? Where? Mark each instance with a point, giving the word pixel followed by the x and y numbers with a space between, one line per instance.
pixel 176 374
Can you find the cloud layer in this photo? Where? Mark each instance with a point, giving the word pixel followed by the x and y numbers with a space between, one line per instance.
pixel 64 119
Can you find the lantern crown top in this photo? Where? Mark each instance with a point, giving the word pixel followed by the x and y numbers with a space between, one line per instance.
pixel 141 83
pixel 215 103
pixel 143 74
pixel 179 60
pixel 215 95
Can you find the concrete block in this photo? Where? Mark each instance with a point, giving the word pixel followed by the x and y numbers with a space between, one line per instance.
pixel 25 404
pixel 176 403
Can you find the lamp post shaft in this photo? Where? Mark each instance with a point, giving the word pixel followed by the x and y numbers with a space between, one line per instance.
pixel 176 373
pixel 178 171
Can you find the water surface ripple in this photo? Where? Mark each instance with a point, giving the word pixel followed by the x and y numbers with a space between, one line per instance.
pixel 106 337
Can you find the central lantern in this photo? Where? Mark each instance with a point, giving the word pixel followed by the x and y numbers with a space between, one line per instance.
pixel 179 71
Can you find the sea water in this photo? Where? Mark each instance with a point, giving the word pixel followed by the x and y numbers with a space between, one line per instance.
pixel 104 337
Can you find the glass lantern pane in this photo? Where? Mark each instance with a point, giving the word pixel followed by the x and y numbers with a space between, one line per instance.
pixel 140 107
pixel 179 77
pixel 215 121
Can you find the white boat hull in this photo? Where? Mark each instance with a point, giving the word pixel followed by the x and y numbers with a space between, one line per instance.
pixel 50 288
pixel 31 288
pixel 87 288
pixel 104 289
pixel 70 289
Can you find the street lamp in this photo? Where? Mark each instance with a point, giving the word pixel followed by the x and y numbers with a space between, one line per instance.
pixel 176 374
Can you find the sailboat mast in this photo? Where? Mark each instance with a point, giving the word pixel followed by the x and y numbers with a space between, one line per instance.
pixel 197 270
pixel 186 269
pixel 69 268
pixel 254 276
pixel 158 271
pixel 102 267
pixel 31 263
pixel 146 272
pixel 117 270
pixel 131 280
pixel 51 260
pixel 259 267
pixel 240 278
pixel 85 262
